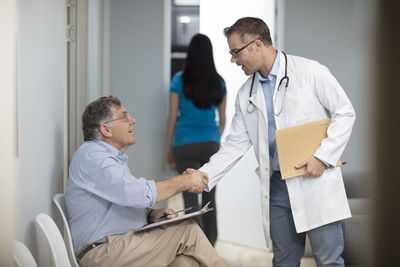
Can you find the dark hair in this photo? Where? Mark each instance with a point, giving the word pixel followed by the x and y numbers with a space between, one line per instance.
pixel 200 80
pixel 254 27
pixel 96 113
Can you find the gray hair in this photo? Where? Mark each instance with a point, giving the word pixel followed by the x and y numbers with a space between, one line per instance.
pixel 95 114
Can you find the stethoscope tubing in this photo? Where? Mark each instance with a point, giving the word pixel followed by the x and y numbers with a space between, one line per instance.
pixel 250 108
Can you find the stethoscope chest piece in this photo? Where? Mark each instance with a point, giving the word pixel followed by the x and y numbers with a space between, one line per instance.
pixel 250 108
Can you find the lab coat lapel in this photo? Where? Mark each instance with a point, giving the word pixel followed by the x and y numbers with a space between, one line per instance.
pixel 258 100
pixel 257 97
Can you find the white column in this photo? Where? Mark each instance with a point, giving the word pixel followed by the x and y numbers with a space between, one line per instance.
pixel 95 49
pixel 106 68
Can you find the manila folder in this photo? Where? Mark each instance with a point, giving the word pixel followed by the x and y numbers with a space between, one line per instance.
pixel 298 143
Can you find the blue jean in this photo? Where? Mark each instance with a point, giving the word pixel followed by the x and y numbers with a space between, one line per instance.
pixel 288 245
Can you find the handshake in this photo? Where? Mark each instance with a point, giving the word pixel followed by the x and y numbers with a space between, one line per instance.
pixel 196 180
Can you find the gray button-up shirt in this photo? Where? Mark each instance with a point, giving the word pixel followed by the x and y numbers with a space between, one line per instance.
pixel 102 196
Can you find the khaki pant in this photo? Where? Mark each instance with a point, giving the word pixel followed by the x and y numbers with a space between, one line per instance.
pixel 176 244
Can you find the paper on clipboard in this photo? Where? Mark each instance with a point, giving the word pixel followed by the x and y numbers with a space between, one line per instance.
pixel 298 143
pixel 205 209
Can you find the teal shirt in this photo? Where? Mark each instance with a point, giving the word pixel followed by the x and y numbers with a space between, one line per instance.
pixel 193 124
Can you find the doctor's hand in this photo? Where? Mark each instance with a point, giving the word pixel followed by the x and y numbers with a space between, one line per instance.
pixel 314 167
pixel 197 188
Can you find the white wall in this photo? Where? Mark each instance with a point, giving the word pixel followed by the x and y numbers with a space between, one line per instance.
pixel 138 66
pixel 238 193
pixel 8 140
pixel 41 63
pixel 339 34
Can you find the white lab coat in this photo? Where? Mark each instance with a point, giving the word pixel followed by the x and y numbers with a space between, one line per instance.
pixel 313 94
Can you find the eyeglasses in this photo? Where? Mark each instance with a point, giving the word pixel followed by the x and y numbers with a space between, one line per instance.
pixel 124 117
pixel 235 52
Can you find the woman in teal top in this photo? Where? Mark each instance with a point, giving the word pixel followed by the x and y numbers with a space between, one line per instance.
pixel 193 132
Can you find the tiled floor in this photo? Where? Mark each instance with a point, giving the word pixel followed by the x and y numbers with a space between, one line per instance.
pixel 235 255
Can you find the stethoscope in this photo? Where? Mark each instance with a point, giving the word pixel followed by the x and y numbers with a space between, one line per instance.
pixel 251 107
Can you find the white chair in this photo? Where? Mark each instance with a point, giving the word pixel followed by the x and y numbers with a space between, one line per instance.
pixel 59 200
pixel 52 251
pixel 22 255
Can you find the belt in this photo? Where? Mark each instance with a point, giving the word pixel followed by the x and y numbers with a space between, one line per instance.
pixel 85 250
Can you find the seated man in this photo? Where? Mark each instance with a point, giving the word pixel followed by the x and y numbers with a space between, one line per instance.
pixel 106 203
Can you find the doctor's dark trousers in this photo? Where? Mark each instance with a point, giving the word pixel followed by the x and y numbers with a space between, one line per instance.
pixel 195 155
pixel 288 245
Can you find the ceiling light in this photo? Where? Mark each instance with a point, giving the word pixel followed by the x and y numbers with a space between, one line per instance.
pixel 184 19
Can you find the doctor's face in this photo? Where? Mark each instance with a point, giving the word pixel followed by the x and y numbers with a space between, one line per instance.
pixel 243 53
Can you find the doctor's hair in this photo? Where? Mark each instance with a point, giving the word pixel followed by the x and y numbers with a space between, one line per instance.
pixel 96 113
pixel 200 81
pixel 250 26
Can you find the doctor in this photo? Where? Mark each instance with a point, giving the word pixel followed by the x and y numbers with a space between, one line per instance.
pixel 283 91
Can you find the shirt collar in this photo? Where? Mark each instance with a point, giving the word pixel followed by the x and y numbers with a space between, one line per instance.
pixel 112 150
pixel 274 71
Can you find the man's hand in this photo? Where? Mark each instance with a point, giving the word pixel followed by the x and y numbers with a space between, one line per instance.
pixel 162 214
pixel 198 186
pixel 190 180
pixel 314 167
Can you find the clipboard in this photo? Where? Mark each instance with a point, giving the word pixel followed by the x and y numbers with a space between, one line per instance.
pixel 205 209
pixel 298 143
